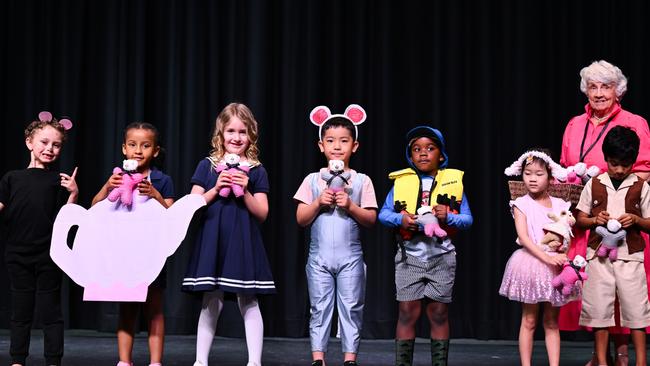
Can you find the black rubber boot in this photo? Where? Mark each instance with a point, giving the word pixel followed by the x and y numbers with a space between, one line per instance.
pixel 404 352
pixel 439 352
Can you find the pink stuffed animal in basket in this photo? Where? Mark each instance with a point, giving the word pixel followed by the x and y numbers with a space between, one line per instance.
pixel 130 180
pixel 231 164
pixel 570 274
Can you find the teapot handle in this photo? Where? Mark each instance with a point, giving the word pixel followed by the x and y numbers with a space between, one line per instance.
pixel 69 216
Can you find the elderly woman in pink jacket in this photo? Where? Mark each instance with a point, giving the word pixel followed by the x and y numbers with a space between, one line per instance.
pixel 604 85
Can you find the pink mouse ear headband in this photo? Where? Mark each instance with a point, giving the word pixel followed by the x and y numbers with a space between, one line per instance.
pixel 46 116
pixel 353 113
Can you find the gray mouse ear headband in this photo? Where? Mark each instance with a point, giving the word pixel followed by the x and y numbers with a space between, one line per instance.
pixel 526 158
pixel 353 113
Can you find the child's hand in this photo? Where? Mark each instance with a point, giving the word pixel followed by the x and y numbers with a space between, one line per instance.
pixel 240 179
pixel 408 222
pixel 441 212
pixel 554 245
pixel 114 181
pixel 224 180
pixel 602 218
pixel 326 198
pixel 342 200
pixel 147 189
pixel 628 219
pixel 69 182
pixel 556 260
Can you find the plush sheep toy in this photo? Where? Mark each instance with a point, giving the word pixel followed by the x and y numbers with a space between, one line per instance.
pixel 570 274
pixel 130 180
pixel 335 177
pixel 612 236
pixel 429 221
pixel 231 164
pixel 558 234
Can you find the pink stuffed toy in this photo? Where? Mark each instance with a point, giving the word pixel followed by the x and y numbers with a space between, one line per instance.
pixel 231 164
pixel 429 221
pixel 580 173
pixel 566 280
pixel 612 236
pixel 130 181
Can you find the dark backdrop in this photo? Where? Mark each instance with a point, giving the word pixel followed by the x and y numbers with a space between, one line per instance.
pixel 495 76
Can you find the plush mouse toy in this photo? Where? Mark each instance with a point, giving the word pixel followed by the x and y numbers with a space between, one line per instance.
pixel 429 221
pixel 335 177
pixel 570 274
pixel 130 180
pixel 612 236
pixel 231 164
pixel 557 234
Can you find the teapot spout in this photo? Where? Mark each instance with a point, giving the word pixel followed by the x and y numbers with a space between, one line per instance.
pixel 178 220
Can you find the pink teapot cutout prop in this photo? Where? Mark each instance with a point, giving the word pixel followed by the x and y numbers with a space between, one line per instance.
pixel 119 250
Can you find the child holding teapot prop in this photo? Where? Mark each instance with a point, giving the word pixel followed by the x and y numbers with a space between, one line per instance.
pixel 229 255
pixel 30 200
pixel 142 143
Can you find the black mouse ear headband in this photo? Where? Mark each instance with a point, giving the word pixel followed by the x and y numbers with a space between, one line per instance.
pixel 353 113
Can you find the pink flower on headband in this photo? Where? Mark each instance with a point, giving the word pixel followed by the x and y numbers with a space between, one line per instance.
pixel 46 116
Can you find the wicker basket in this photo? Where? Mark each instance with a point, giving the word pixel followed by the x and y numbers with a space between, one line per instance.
pixel 568 192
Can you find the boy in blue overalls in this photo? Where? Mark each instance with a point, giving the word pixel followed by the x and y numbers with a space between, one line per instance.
pixel 335 267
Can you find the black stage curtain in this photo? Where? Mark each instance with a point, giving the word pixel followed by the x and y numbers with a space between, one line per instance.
pixel 496 77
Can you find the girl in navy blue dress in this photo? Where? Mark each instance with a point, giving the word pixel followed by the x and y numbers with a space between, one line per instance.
pixel 229 255
pixel 142 143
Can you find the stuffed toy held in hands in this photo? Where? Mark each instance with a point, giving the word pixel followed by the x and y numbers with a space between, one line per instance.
pixel 130 180
pixel 558 234
pixel 612 237
pixel 429 222
pixel 566 280
pixel 231 164
pixel 335 177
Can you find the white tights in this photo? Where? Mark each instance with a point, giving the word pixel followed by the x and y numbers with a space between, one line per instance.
pixel 253 325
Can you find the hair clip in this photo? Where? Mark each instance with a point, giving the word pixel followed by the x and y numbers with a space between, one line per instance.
pixel 46 116
pixel 353 113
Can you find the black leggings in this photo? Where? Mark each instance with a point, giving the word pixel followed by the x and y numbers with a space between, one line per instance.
pixel 35 282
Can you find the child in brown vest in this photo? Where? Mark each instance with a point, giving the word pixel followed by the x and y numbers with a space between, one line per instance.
pixel 617 194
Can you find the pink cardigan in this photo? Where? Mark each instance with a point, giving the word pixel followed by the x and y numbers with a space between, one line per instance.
pixel 575 131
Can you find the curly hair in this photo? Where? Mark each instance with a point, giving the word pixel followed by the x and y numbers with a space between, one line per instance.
pixel 34 126
pixel 603 72
pixel 242 112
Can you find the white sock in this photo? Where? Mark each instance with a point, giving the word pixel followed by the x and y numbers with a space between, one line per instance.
pixel 210 310
pixel 254 326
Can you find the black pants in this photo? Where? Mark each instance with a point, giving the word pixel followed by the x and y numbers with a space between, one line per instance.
pixel 35 282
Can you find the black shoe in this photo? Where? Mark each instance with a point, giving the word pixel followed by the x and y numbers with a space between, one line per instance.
pixel 317 363
pixel 350 363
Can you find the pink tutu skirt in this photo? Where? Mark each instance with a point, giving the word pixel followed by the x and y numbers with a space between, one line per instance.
pixel 528 280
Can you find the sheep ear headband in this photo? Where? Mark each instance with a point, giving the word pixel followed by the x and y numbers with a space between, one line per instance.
pixel 526 158
pixel 353 113
pixel 46 116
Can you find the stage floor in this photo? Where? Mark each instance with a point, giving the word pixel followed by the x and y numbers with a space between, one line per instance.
pixel 90 348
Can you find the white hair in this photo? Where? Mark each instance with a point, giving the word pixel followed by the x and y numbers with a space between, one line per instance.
pixel 603 72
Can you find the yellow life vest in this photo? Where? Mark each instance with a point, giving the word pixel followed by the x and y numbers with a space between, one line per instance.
pixel 448 183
